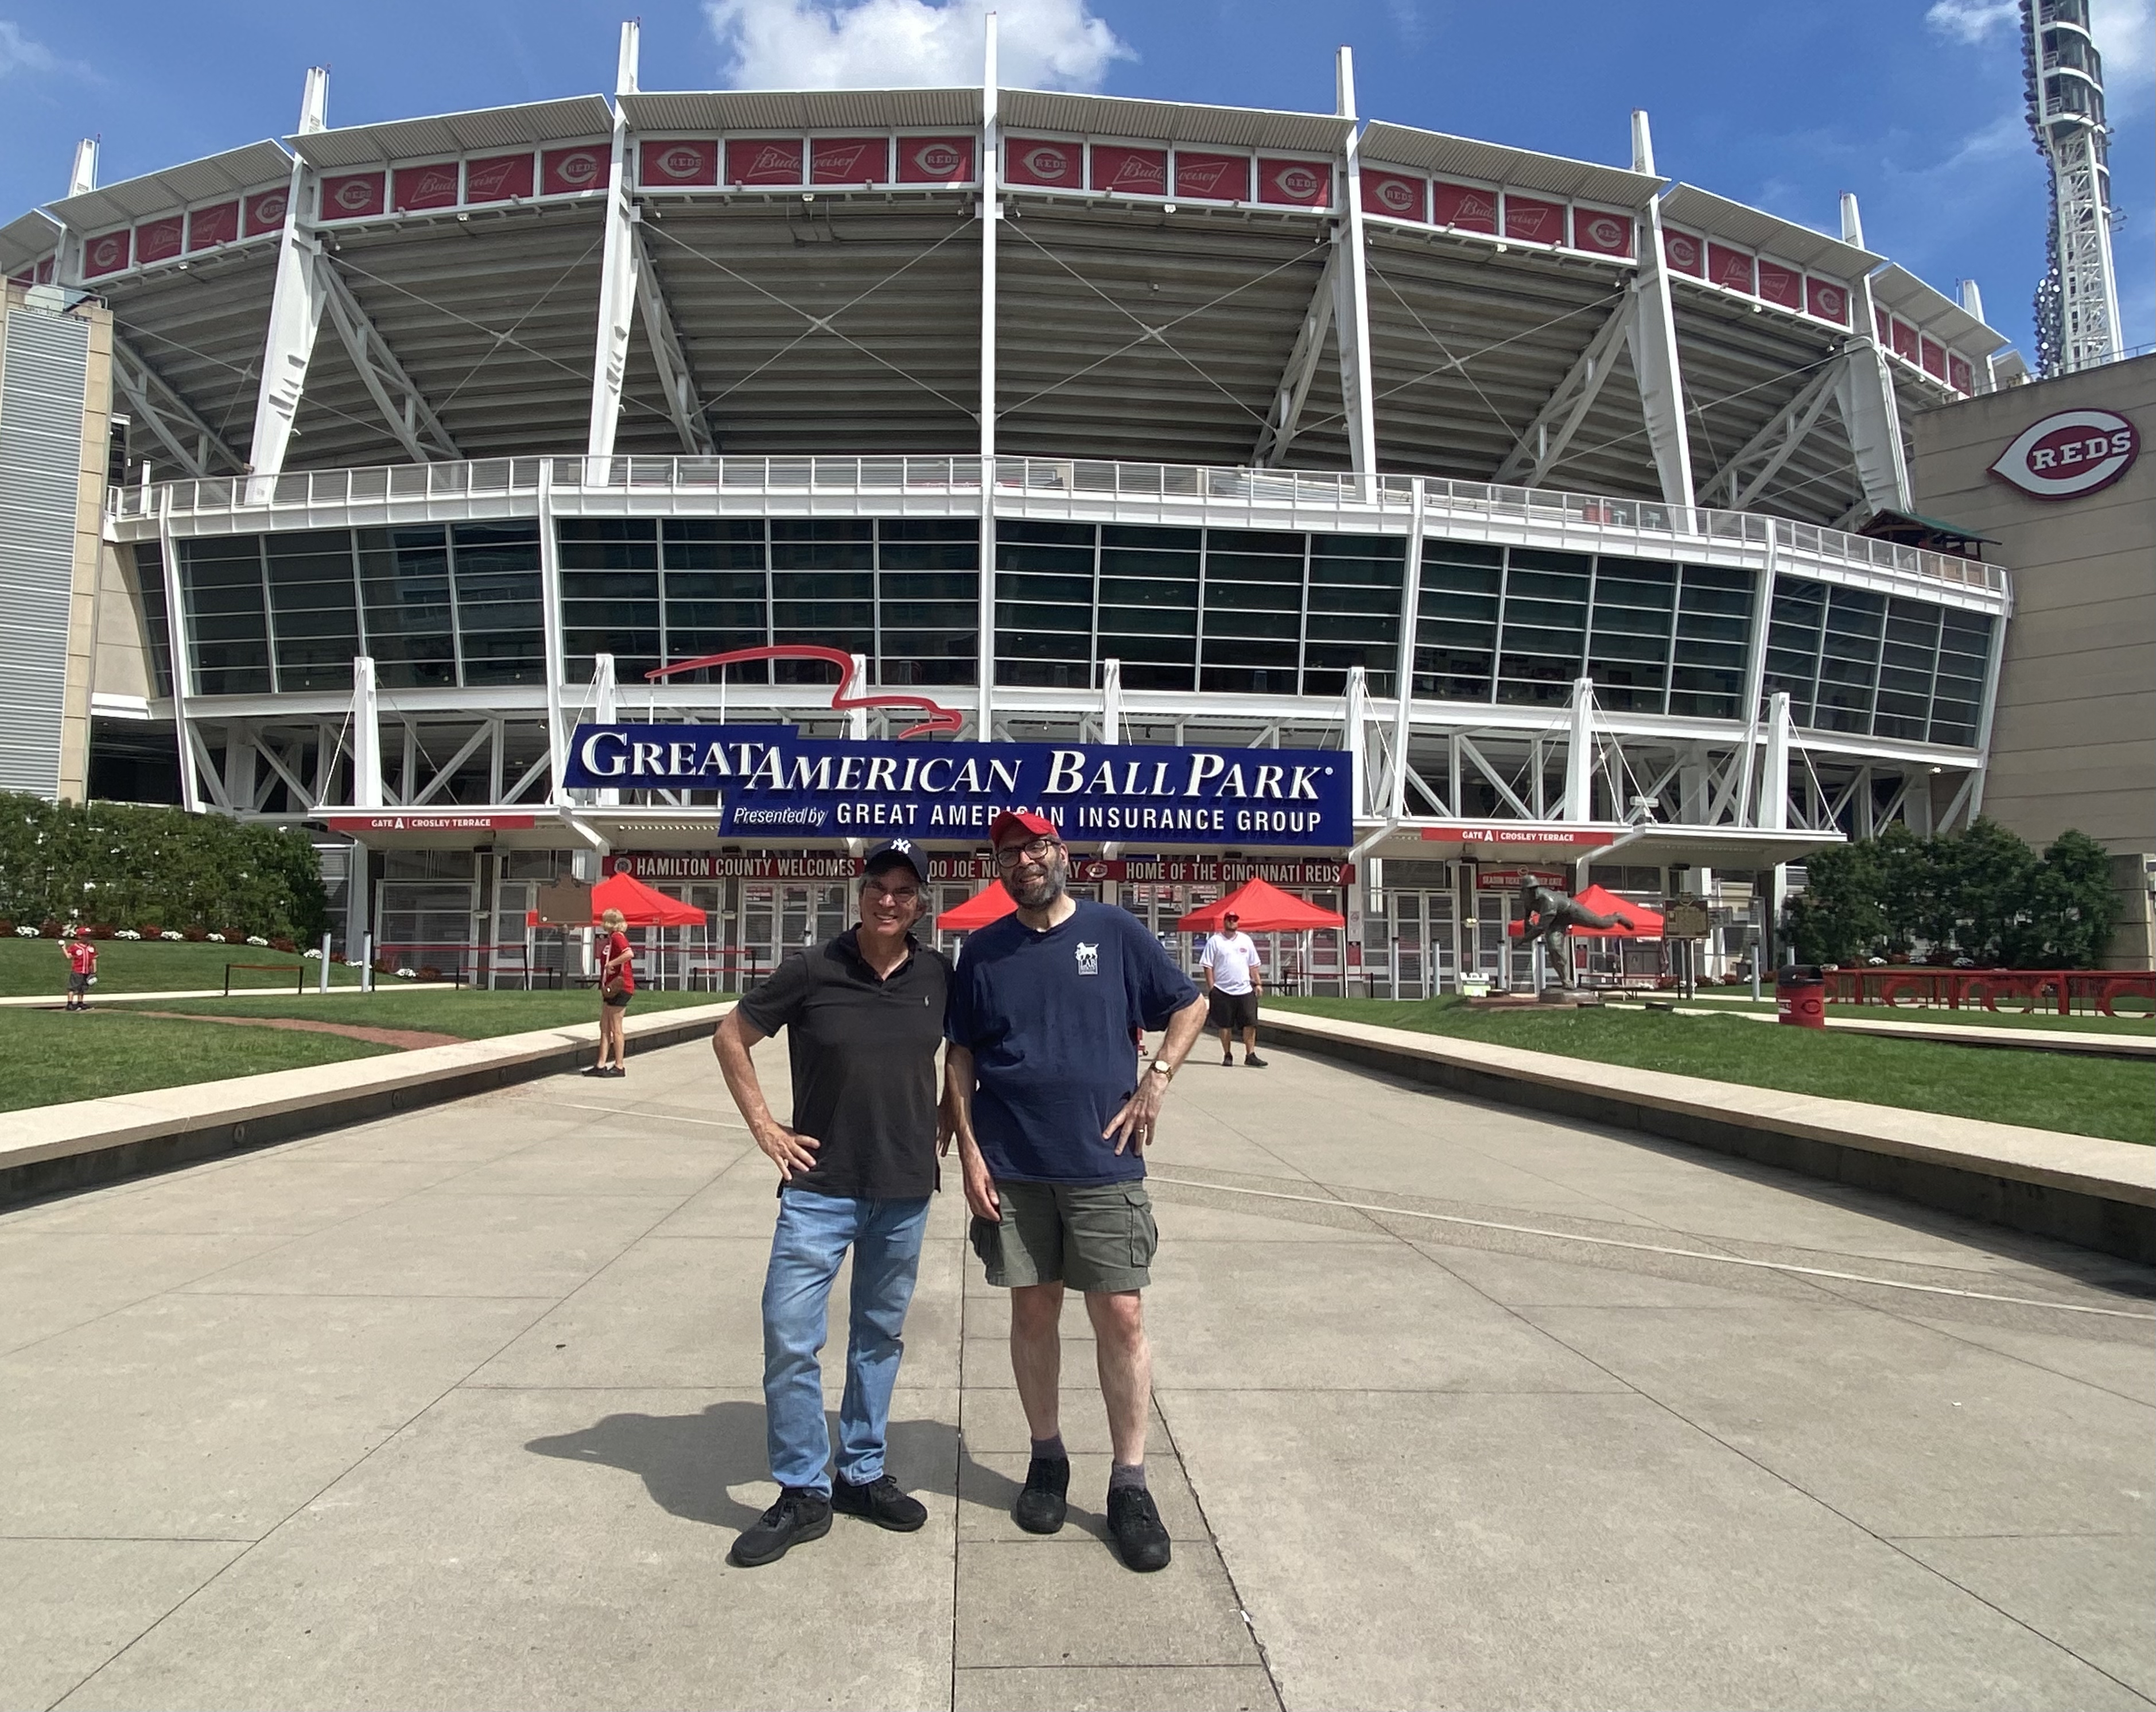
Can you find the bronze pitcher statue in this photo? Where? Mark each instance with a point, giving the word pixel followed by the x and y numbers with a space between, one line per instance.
pixel 1550 916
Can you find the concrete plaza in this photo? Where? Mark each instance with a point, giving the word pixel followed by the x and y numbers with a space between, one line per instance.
pixel 1456 1406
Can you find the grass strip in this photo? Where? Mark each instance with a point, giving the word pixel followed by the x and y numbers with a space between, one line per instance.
pixel 53 1056
pixel 29 967
pixel 2079 1096
pixel 470 1015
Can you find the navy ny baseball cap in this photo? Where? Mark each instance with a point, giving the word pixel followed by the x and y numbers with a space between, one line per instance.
pixel 893 851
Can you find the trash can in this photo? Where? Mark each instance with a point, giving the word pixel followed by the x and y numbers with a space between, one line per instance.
pixel 1800 995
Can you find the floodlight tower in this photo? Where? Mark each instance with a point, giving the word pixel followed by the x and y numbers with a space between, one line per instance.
pixel 2077 303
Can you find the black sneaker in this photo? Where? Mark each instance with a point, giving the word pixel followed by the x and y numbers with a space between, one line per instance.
pixel 802 1513
pixel 881 1501
pixel 598 1069
pixel 1041 1508
pixel 1251 1061
pixel 1227 1060
pixel 1135 1521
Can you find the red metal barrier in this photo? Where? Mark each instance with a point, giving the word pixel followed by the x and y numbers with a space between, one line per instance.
pixel 2061 991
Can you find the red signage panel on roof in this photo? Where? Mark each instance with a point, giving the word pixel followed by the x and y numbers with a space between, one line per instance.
pixel 1961 373
pixel 935 160
pixel 1779 285
pixel 1602 231
pixel 266 211
pixel 430 187
pixel 1464 206
pixel 218 225
pixel 1035 160
pixel 498 178
pixel 107 253
pixel 352 196
pixel 566 171
pixel 1934 359
pixel 1827 301
pixel 155 240
pixel 684 163
pixel 1295 184
pixel 1394 195
pixel 1685 252
pixel 1732 268
pixel 1213 178
pixel 763 160
pixel 1906 341
pixel 848 159
pixel 1532 220
pixel 1136 171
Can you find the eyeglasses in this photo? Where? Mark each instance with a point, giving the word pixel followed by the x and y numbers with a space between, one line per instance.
pixel 1033 850
pixel 906 894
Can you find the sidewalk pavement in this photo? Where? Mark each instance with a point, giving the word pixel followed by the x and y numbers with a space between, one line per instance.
pixel 1454 1405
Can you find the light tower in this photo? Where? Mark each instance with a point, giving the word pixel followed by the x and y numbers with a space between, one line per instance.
pixel 2077 303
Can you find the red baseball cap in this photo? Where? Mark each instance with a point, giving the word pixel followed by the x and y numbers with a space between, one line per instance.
pixel 1020 820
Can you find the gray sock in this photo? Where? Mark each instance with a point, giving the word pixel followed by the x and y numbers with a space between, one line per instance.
pixel 1122 1474
pixel 1051 1449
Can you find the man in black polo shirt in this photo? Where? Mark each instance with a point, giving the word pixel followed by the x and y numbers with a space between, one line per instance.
pixel 863 1014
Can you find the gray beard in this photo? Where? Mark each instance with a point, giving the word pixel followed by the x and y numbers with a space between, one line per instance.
pixel 1051 885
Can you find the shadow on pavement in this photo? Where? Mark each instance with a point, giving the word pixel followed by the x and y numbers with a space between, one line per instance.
pixel 687 1462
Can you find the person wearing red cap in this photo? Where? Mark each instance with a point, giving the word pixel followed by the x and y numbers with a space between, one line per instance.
pixel 1052 1115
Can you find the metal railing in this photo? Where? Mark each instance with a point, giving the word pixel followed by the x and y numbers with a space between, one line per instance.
pixel 1285 497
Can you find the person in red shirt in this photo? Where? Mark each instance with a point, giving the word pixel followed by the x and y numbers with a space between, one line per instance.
pixel 82 968
pixel 617 987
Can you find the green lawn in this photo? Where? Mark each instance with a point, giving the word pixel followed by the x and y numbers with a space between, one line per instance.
pixel 53 1056
pixel 31 966
pixel 2082 1096
pixel 469 1015
pixel 2078 1023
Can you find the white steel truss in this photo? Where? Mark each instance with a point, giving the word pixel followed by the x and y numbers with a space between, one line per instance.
pixel 195 446
pixel 1756 463
pixel 1285 420
pixel 1541 445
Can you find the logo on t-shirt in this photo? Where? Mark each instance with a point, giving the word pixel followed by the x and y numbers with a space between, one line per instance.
pixel 1089 959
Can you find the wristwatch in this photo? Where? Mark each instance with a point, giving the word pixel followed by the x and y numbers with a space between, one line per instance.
pixel 1157 1068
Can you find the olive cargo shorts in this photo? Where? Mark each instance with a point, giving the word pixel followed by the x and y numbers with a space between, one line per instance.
pixel 1092 1237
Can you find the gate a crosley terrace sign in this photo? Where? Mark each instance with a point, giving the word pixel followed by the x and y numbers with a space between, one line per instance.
pixel 2070 453
pixel 772 781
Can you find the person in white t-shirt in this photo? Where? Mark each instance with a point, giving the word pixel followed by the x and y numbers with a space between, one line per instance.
pixel 1233 979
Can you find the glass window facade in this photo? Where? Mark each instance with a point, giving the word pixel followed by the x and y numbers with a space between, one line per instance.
pixel 1873 664
pixel 1230 612
pixel 157 627
pixel 1519 624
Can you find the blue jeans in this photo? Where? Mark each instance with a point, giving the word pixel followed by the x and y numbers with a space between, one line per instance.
pixel 812 1237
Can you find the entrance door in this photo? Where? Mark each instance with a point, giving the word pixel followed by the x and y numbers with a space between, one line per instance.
pixel 428 925
pixel 779 918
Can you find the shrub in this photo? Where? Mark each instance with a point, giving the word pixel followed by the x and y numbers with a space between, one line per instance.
pixel 52 929
pixel 285 946
pixel 193 936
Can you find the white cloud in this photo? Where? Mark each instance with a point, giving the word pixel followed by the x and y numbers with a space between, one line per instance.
pixel 910 44
pixel 2125 31
pixel 1973 20
pixel 19 53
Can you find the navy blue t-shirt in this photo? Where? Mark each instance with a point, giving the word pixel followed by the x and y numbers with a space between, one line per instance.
pixel 1048 1018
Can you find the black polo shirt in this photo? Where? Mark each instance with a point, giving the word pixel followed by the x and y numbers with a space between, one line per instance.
pixel 863 1051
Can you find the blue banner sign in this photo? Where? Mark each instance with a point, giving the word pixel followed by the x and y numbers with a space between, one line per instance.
pixel 773 782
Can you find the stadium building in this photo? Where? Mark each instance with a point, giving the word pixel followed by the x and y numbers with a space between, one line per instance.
pixel 350 475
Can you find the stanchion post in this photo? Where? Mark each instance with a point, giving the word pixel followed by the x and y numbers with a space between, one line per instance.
pixel 366 963
pixel 326 963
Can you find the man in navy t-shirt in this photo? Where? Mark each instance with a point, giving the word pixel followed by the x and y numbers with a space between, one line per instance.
pixel 1052 1115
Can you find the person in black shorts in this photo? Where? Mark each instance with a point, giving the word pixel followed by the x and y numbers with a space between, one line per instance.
pixel 1233 979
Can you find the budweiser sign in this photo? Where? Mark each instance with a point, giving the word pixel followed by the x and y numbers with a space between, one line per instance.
pixel 2070 453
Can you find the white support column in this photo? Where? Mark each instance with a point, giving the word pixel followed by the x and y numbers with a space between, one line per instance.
pixel 296 303
pixel 1351 289
pixel 366 737
pixel 1775 774
pixel 616 271
pixel 991 213
pixel 606 709
pixel 549 619
pixel 1111 701
pixel 1864 396
pixel 1994 657
pixel 1396 796
pixel 1652 337
pixel 1579 755
pixel 857 684
pixel 675 378
pixel 1755 674
pixel 1357 722
pixel 82 177
pixel 176 650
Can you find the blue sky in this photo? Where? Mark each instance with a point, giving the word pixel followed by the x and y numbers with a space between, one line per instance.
pixel 1914 105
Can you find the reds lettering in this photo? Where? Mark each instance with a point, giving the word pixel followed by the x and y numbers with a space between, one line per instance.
pixel 2070 453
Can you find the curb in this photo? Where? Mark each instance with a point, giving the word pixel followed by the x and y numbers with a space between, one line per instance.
pixel 2083 1190
pixel 55 1149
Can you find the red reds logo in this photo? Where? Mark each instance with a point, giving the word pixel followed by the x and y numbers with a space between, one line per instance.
pixel 680 162
pixel 1604 233
pixel 270 209
pixel 1831 303
pixel 107 253
pixel 1047 163
pixel 1683 251
pixel 1300 182
pixel 2072 453
pixel 938 160
pixel 579 169
pixel 1397 195
pixel 355 196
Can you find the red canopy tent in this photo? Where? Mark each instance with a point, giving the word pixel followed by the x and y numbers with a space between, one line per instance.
pixel 1646 923
pixel 992 902
pixel 641 906
pixel 1264 908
